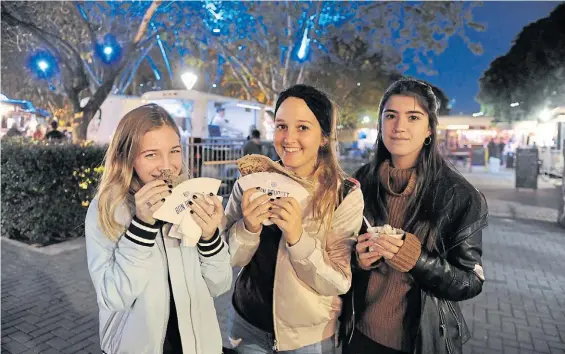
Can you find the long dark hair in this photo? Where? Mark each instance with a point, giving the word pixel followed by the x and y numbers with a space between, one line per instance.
pixel 328 170
pixel 424 211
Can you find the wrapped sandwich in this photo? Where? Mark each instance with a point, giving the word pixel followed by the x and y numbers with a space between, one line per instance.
pixel 167 176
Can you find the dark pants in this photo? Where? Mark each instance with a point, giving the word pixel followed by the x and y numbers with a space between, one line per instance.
pixel 360 344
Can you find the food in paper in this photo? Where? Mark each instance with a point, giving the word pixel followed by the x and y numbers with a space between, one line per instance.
pixel 277 184
pixel 254 163
pixel 167 176
pixel 175 210
pixel 193 231
pixel 387 230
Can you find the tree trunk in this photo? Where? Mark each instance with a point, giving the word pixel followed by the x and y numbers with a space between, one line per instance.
pixel 561 211
pixel 94 104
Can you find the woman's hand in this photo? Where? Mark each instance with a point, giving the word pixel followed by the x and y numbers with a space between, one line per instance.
pixel 287 215
pixel 207 215
pixel 256 211
pixel 388 246
pixel 367 253
pixel 149 199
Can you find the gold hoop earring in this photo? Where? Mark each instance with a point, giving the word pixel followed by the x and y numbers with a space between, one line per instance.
pixel 429 141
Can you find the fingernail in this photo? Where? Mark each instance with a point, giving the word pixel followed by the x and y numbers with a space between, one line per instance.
pixel 194 196
pixel 257 188
pixel 278 197
pixel 163 199
pixel 192 211
pixel 270 194
pixel 211 194
pixel 190 202
pixel 171 186
pixel 272 200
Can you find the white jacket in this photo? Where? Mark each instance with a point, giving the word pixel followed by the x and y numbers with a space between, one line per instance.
pixel 131 282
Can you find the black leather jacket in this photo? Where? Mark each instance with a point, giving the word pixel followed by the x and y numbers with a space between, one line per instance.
pixel 445 276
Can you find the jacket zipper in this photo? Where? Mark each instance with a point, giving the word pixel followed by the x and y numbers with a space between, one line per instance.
pixel 450 305
pixel 168 295
pixel 352 315
pixel 443 331
pixel 275 343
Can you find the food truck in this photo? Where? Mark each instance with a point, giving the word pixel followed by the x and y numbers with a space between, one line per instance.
pixel 211 150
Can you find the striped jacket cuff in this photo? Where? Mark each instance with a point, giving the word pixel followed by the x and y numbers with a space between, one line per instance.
pixel 142 233
pixel 212 246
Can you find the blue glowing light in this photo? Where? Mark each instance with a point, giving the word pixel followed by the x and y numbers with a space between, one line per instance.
pixel 109 51
pixel 304 46
pixel 42 64
pixel 216 30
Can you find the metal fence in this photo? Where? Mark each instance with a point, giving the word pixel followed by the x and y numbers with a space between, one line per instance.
pixel 215 158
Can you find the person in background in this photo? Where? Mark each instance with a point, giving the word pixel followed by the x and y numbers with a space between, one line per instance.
pixel 220 118
pixel 406 290
pixel 154 294
pixel 501 151
pixel 38 133
pixel 55 134
pixel 253 146
pixel 13 131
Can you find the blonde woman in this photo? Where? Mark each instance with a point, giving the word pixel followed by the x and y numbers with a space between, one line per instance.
pixel 154 295
pixel 286 297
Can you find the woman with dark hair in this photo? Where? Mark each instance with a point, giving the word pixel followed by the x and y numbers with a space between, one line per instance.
pixel 286 297
pixel 405 291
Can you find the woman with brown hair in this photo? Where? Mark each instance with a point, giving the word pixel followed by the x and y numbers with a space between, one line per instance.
pixel 286 297
pixel 406 290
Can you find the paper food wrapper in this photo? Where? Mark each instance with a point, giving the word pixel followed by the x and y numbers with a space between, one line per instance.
pixel 175 209
pixel 277 184
pixel 251 164
pixel 387 230
pixel 193 232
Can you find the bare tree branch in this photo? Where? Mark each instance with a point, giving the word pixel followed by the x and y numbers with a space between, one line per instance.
pixel 145 21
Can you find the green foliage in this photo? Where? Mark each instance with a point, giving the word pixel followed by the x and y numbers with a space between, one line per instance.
pixel 46 189
pixel 531 73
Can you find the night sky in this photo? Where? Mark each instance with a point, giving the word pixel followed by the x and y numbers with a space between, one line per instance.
pixel 460 70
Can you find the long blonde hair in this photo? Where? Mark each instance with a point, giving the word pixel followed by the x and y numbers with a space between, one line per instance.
pixel 119 182
pixel 328 172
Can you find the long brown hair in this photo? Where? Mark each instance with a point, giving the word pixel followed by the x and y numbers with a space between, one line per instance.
pixel 424 211
pixel 328 172
pixel 119 181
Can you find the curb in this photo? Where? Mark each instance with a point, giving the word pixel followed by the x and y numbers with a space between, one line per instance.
pixel 50 250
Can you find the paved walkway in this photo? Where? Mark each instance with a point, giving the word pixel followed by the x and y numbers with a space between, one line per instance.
pixel 48 304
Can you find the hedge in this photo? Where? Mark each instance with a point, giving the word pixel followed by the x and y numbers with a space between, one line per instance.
pixel 46 189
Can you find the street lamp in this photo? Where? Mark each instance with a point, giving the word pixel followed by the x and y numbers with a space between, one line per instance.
pixel 514 104
pixel 189 80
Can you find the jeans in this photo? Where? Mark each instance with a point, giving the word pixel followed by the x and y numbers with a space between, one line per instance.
pixel 248 339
